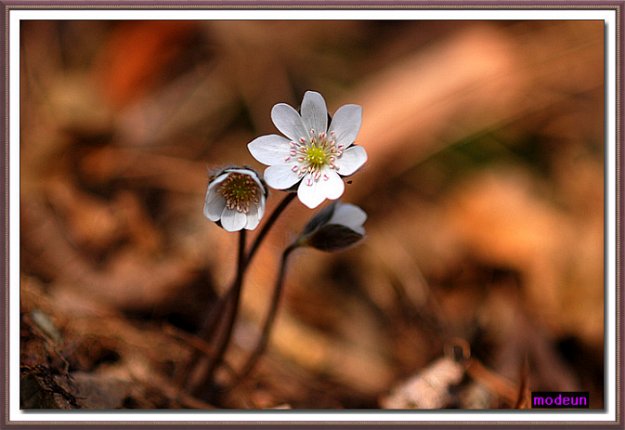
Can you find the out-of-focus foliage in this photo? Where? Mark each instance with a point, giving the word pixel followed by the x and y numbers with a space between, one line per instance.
pixel 484 190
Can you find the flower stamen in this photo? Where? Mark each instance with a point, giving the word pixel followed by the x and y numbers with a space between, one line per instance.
pixel 240 192
pixel 314 154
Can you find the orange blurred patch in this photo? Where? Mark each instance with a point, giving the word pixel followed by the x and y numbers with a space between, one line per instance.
pixel 136 54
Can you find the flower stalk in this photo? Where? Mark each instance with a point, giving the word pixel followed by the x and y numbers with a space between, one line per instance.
pixel 209 325
pixel 335 228
pixel 232 297
pixel 261 345
pixel 224 341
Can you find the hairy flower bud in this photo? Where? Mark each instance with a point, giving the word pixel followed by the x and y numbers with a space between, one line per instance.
pixel 334 228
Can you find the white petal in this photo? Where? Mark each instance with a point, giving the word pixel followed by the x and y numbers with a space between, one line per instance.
pixel 232 220
pixel 308 194
pixel 359 229
pixel 253 218
pixel 261 207
pixel 333 186
pixel 255 214
pixel 214 202
pixel 351 160
pixel 288 121
pixel 270 150
pixel 346 124
pixel 213 205
pixel 350 216
pixel 218 180
pixel 313 193
pixel 281 176
pixel 243 171
pixel 314 112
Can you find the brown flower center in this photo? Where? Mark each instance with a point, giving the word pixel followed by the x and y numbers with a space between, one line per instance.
pixel 240 192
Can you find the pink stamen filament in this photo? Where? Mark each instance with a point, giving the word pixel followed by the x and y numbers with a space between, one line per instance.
pixel 239 191
pixel 313 166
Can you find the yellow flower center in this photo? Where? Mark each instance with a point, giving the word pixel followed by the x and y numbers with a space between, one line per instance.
pixel 316 156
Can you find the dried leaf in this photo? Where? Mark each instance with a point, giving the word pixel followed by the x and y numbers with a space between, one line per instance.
pixel 428 389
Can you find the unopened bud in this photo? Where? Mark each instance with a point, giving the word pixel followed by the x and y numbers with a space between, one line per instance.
pixel 336 227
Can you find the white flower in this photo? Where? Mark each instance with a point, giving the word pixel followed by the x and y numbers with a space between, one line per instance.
pixel 336 227
pixel 236 197
pixel 311 152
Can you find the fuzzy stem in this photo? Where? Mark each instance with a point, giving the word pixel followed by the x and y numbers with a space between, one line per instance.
pixel 261 345
pixel 270 222
pixel 215 315
pixel 231 297
pixel 221 348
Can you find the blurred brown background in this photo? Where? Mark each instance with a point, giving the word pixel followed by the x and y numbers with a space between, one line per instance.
pixel 484 189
